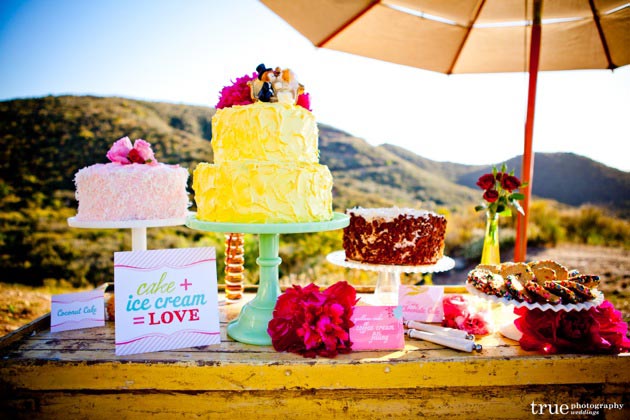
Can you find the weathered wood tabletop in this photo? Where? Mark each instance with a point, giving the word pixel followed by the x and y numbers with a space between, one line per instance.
pixel 76 373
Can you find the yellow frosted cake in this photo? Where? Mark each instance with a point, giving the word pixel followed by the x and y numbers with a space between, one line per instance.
pixel 266 164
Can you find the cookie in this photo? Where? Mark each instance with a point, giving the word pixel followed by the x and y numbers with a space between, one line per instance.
pixel 561 271
pixel 516 290
pixel 487 282
pixel 493 268
pixel 578 288
pixel 587 280
pixel 541 294
pixel 520 270
pixel 567 295
pixel 543 274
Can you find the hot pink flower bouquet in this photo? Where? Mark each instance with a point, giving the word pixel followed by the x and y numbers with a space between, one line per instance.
pixel 122 151
pixel 311 322
pixel 598 330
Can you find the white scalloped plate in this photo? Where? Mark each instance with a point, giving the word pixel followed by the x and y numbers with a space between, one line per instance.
pixel 599 298
pixel 339 258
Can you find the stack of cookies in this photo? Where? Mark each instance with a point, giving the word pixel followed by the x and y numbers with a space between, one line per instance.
pixel 539 281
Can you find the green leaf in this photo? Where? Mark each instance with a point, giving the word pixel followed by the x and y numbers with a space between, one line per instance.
pixel 506 212
pixel 517 196
pixel 480 207
pixel 501 208
pixel 503 168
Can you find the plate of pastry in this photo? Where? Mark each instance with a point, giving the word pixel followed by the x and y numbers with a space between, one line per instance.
pixel 545 285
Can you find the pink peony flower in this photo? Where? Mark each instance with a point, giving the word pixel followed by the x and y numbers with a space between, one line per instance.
pixel 144 151
pixel 119 151
pixel 304 100
pixel 599 330
pixel 309 322
pixel 238 93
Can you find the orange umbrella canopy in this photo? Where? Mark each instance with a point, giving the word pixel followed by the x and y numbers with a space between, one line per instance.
pixel 467 36
pixel 473 36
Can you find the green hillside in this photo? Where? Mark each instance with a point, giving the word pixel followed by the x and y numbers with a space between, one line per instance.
pixel 564 177
pixel 45 141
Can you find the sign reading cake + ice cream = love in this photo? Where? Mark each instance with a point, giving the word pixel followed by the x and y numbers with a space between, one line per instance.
pixel 165 299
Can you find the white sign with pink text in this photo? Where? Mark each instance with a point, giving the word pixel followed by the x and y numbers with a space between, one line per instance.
pixel 421 303
pixel 72 311
pixel 165 299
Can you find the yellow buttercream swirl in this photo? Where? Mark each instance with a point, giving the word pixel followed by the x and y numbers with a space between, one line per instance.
pixel 263 192
pixel 265 132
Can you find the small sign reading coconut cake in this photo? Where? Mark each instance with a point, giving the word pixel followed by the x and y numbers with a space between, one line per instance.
pixel 394 236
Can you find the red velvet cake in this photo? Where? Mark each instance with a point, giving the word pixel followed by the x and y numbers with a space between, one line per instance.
pixel 393 236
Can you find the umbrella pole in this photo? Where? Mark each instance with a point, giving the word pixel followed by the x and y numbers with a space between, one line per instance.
pixel 520 249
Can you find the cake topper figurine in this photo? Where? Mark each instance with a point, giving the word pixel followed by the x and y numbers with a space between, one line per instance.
pixel 263 86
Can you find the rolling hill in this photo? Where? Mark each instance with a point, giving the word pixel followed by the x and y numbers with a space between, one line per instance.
pixel 44 141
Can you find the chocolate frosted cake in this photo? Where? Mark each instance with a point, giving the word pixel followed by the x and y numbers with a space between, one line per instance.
pixel 394 236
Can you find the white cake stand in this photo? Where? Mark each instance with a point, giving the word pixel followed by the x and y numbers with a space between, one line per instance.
pixel 138 228
pixel 386 291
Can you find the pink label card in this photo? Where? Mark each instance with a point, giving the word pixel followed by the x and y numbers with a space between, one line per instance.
pixel 73 311
pixel 165 299
pixel 421 303
pixel 377 328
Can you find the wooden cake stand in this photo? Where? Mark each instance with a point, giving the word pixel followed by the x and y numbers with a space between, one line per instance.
pixel 386 291
pixel 251 325
pixel 138 228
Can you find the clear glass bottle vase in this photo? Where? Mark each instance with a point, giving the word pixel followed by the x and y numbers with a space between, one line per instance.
pixel 491 253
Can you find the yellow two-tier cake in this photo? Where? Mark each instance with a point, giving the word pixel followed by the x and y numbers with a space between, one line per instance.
pixel 265 167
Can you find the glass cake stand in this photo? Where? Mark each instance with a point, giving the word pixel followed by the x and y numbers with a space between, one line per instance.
pixel 138 228
pixel 251 325
pixel 386 291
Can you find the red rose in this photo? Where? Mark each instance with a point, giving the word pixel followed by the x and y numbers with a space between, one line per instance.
pixel 510 182
pixel 599 330
pixel 486 181
pixel 491 196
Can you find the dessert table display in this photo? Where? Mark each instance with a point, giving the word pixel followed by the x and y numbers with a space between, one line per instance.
pixel 386 291
pixel 138 228
pixel 76 374
pixel 251 325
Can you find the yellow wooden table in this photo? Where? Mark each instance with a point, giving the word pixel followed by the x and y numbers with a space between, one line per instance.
pixel 75 374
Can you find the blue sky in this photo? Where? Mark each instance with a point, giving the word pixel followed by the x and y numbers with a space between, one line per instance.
pixel 185 51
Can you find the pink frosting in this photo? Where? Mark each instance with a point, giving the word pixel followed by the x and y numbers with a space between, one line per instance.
pixel 117 192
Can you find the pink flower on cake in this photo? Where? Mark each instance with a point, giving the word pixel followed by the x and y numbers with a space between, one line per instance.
pixel 304 100
pixel 144 151
pixel 119 151
pixel 238 93
pixel 124 153
pixel 310 322
pixel 598 330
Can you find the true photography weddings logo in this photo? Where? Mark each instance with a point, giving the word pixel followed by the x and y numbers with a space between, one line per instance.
pixel 575 409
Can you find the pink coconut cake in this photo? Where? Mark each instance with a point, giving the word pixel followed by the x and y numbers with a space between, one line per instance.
pixel 134 186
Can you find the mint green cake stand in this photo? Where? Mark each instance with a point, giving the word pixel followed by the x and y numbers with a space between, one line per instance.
pixel 251 325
